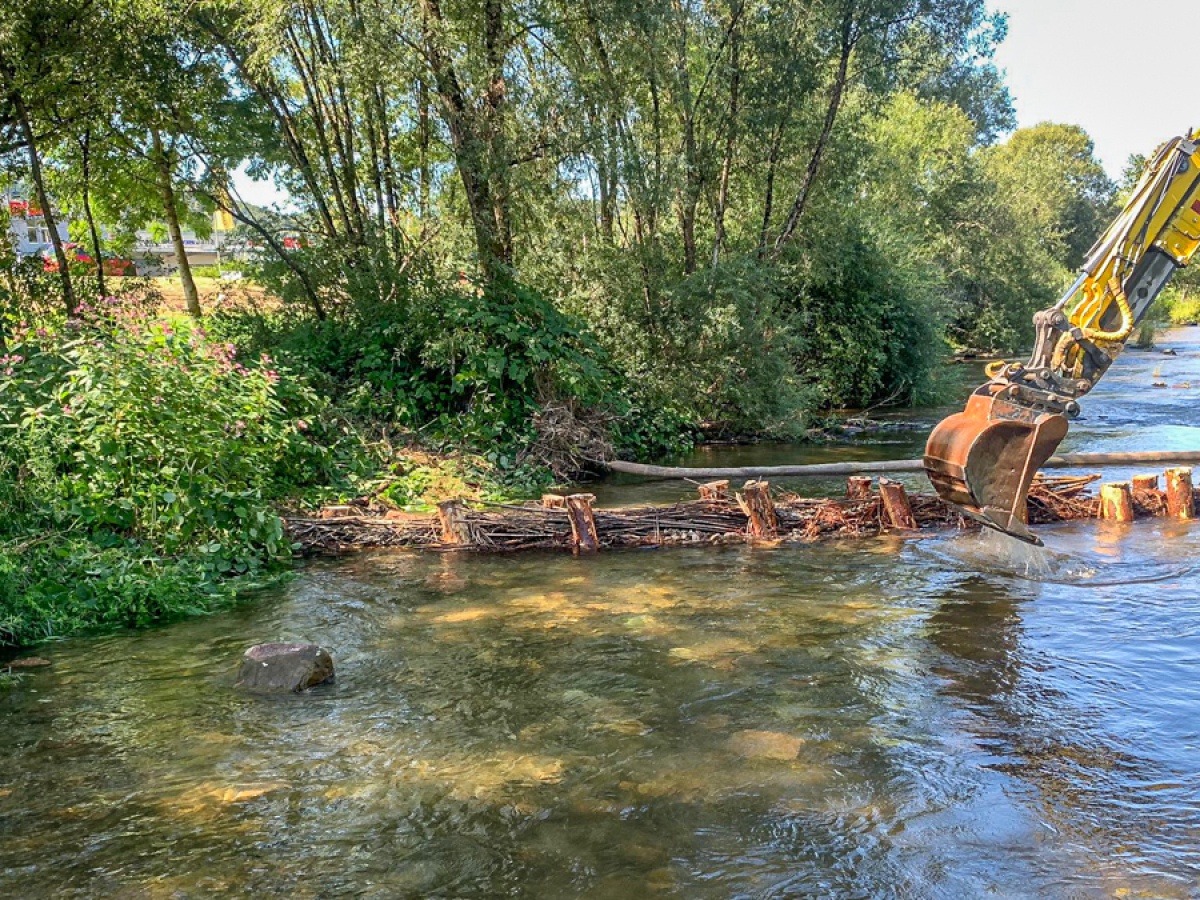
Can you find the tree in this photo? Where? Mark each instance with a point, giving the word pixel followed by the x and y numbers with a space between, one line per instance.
pixel 43 79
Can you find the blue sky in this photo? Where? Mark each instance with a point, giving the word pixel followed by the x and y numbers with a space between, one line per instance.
pixel 1125 70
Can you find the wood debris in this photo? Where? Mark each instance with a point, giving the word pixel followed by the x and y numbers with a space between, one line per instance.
pixel 499 527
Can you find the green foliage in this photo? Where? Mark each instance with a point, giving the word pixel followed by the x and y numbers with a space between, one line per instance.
pixel 1180 302
pixel 717 347
pixel 460 363
pixel 135 444
pixel 1185 310
pixel 531 234
pixel 60 585
pixel 872 333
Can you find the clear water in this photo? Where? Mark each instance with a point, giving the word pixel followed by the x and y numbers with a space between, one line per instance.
pixel 885 718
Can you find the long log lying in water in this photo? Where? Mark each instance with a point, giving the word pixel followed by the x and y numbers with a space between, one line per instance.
pixel 893 466
pixel 498 527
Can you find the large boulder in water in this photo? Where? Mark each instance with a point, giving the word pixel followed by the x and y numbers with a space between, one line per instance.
pixel 280 668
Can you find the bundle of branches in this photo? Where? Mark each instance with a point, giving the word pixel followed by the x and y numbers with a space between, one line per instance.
pixel 356 532
pixel 570 440
pixel 499 527
pixel 1062 498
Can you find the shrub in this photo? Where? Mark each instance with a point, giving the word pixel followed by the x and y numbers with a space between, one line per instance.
pixel 717 347
pixel 1183 307
pixel 131 444
pixel 458 363
pixel 871 333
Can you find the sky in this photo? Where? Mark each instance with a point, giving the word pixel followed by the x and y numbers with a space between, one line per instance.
pixel 1124 70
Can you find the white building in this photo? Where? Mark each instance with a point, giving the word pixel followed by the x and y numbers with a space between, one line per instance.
pixel 153 253
pixel 27 230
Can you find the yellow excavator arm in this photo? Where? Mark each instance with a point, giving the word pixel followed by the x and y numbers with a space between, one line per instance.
pixel 983 459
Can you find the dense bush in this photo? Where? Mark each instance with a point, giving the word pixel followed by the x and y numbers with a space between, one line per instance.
pixel 1185 310
pixel 129 445
pixel 458 363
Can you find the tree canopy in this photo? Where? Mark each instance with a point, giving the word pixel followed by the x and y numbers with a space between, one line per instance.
pixel 753 207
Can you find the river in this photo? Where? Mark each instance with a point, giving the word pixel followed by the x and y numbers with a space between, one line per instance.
pixel 925 717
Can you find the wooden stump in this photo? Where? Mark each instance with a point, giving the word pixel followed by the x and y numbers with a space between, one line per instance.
pixel 583 522
pixel 755 501
pixel 553 501
pixel 1145 482
pixel 715 490
pixel 452 517
pixel 858 487
pixel 1116 502
pixel 1181 503
pixel 895 504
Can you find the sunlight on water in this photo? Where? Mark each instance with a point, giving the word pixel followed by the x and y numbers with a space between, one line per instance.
pixel 884 719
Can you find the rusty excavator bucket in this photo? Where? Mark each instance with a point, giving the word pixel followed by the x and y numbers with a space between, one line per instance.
pixel 983 460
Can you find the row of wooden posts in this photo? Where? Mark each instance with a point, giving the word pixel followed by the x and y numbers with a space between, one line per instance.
pixel 754 500
pixel 1116 504
pixel 1116 498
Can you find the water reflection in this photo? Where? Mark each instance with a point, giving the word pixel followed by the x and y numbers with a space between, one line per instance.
pixel 1112 814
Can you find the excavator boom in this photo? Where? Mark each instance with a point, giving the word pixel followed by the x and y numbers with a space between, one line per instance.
pixel 983 460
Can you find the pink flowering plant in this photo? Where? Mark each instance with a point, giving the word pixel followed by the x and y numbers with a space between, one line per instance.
pixel 129 431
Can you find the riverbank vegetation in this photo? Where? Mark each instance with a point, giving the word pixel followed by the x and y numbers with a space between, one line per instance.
pixel 522 236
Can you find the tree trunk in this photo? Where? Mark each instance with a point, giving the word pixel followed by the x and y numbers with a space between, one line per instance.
pixel 496 106
pixel 85 148
pixel 769 193
pixel 162 163
pixel 735 74
pixel 693 184
pixel 424 190
pixel 35 170
pixel 848 41
pixel 476 137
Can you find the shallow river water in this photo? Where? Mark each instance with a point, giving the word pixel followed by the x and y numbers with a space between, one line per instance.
pixel 930 717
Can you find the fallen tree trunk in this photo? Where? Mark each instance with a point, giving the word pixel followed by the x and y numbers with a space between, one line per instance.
pixel 1065 461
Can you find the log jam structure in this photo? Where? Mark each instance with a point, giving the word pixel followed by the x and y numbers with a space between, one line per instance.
pixel 755 513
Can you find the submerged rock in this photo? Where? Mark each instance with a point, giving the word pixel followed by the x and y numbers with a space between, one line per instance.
pixel 28 662
pixel 283 668
pixel 766 745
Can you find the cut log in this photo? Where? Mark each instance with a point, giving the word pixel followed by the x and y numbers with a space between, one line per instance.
pixel 1116 502
pixel 896 505
pixel 858 487
pixel 583 521
pixel 455 529
pixel 755 501
pixel 554 501
pixel 1145 482
pixel 1066 460
pixel 1181 503
pixel 715 490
